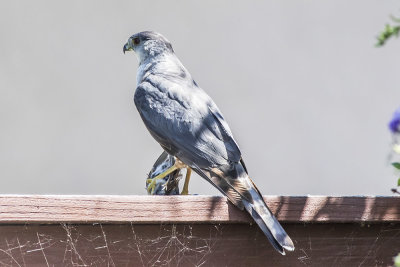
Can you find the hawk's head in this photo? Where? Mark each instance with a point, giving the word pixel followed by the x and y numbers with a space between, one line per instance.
pixel 147 44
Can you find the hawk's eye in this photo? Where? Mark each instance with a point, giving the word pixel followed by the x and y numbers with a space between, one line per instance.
pixel 136 41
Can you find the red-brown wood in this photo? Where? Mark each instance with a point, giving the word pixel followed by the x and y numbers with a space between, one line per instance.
pixel 328 244
pixel 194 231
pixel 191 209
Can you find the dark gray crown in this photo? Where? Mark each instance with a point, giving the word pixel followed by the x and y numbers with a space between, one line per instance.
pixel 150 35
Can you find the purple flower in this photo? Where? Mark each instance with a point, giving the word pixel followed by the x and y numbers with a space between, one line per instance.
pixel 394 124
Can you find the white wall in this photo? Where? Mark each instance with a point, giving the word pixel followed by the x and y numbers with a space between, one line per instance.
pixel 305 91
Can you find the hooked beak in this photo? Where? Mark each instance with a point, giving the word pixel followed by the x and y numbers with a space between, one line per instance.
pixel 127 47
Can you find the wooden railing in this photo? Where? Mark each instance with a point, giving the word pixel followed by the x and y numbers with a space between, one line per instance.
pixel 194 230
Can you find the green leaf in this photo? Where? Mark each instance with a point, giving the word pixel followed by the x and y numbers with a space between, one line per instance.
pixel 386 34
pixel 398 182
pixel 396 165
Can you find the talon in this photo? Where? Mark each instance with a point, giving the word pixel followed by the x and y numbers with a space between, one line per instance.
pixel 151 186
pixel 153 181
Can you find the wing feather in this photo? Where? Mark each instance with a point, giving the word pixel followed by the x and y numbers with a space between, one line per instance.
pixel 190 128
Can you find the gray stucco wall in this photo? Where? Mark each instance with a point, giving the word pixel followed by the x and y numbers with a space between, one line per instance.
pixel 305 91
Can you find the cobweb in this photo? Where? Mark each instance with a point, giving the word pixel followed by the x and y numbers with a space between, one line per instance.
pixel 145 245
pixel 107 245
pixel 133 244
pixel 175 247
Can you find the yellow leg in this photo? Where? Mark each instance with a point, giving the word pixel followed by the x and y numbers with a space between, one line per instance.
pixel 185 190
pixel 152 181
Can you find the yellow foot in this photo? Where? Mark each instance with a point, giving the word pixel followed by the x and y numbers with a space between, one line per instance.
pixel 153 181
pixel 185 190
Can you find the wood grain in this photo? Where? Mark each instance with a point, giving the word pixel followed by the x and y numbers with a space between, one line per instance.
pixel 191 209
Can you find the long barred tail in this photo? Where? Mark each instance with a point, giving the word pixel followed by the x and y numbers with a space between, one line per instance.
pixel 243 193
pixel 269 224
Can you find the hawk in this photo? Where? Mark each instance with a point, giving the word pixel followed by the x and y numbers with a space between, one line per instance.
pixel 189 126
